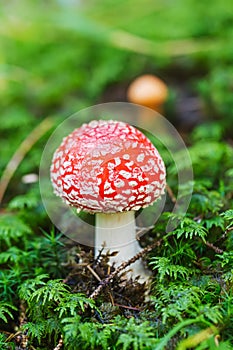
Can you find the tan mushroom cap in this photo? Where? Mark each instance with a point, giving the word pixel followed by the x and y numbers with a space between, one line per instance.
pixel 147 90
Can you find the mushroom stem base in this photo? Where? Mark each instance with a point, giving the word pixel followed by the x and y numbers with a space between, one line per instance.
pixel 117 233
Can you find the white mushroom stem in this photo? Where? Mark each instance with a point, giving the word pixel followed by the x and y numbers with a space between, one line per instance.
pixel 117 233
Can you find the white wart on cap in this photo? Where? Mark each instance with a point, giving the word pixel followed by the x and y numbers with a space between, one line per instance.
pixel 107 167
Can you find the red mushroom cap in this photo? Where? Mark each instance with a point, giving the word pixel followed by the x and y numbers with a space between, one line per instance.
pixel 107 166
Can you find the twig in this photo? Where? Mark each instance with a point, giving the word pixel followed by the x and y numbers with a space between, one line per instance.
pixel 97 259
pixel 21 152
pixel 5 332
pixel 128 307
pixel 24 341
pixel 216 249
pixel 120 268
pixel 22 320
pixel 99 279
pixel 170 193
pixel 224 235
pixel 94 273
pixel 142 230
pixel 20 336
pixel 111 298
pixel 12 335
pixel 59 345
pixel 22 314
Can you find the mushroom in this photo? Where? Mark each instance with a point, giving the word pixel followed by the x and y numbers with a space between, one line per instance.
pixel 111 169
pixel 149 91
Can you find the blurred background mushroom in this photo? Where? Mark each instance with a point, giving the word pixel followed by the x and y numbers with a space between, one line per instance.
pixel 149 91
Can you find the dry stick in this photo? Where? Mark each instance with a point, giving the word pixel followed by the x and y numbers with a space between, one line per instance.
pixel 24 341
pixel 170 193
pixel 225 233
pixel 22 321
pixel 142 230
pixel 216 249
pixel 12 335
pixel 20 335
pixel 59 345
pixel 99 279
pixel 21 152
pixel 94 273
pixel 120 268
pixel 128 307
